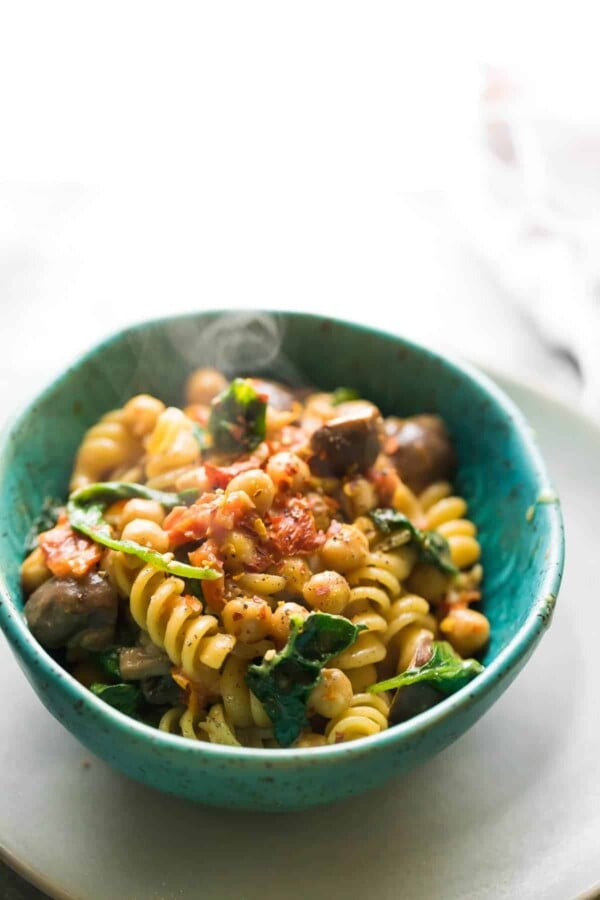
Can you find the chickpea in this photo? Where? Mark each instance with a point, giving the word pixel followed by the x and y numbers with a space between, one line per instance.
pixel 296 572
pixel 257 485
pixel 464 550
pixel 467 630
pixel 345 549
pixel 146 533
pixel 332 695
pixel 248 618
pixel 149 510
pixel 280 620
pixel 238 550
pixel 327 592
pixel 141 413
pixel 359 497
pixel 203 385
pixel 34 571
pixel 288 472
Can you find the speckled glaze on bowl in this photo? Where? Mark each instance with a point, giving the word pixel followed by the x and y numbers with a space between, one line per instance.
pixel 501 475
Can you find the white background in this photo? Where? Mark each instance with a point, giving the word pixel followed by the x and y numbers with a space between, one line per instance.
pixel 289 155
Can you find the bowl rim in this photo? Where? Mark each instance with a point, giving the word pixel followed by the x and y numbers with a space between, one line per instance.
pixel 518 648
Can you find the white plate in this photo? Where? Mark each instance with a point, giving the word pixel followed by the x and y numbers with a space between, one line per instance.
pixel 511 810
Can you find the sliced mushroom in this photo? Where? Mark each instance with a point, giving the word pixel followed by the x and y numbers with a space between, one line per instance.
pixel 74 612
pixel 349 443
pixel 413 699
pixel 136 663
pixel 420 448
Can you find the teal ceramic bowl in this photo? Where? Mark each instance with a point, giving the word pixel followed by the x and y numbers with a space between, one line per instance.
pixel 501 474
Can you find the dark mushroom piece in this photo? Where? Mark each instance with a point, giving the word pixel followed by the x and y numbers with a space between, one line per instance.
pixel 350 443
pixel 420 448
pixel 161 691
pixel 74 612
pixel 413 699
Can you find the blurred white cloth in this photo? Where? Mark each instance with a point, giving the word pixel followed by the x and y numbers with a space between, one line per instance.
pixel 532 209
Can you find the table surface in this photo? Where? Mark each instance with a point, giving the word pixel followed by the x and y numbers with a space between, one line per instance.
pixel 72 271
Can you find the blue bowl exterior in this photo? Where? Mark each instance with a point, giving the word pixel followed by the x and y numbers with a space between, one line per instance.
pixel 501 475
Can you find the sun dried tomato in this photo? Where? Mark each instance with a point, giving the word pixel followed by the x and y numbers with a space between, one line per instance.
pixel 292 529
pixel 68 553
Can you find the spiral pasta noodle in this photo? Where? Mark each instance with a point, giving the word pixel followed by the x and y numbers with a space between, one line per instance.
pixel 177 624
pixel 373 587
pixel 445 513
pixel 213 726
pixel 241 706
pixel 106 447
pixel 171 448
pixel 185 722
pixel 404 615
pixel 366 715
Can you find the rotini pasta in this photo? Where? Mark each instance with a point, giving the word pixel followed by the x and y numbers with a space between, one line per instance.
pixel 366 715
pixel 106 448
pixel 171 449
pixel 256 563
pixel 177 623
pixel 446 514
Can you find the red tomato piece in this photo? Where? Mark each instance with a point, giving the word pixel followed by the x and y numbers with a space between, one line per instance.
pixel 293 530
pixel 68 553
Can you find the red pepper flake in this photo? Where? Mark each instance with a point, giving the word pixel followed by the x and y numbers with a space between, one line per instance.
pixel 68 553
pixel 293 530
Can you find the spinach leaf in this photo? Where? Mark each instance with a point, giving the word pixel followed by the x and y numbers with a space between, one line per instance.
pixel 283 683
pixel 108 660
pixel 44 521
pixel 238 418
pixel 85 510
pixel 445 670
pixel 124 697
pixel 432 547
pixel 107 492
pixel 343 395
